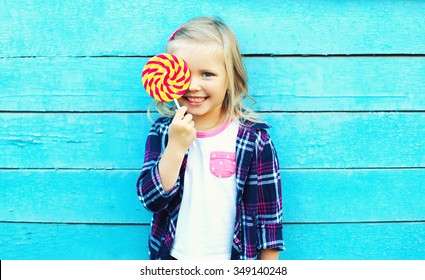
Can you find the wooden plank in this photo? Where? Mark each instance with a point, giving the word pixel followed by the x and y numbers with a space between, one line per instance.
pixel 102 141
pixel 73 140
pixel 349 140
pixel 277 84
pixel 88 196
pixel 72 84
pixel 73 242
pixel 353 195
pixel 77 28
pixel 395 241
pixel 73 196
pixel 392 241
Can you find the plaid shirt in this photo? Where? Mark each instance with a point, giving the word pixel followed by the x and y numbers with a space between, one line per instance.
pixel 258 223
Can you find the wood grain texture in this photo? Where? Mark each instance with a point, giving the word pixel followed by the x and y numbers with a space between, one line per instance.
pixel 393 241
pixel 341 82
pixel 353 195
pixel 331 140
pixel 277 84
pixel 98 28
pixel 73 196
pixel 309 196
pixel 398 241
pixel 72 242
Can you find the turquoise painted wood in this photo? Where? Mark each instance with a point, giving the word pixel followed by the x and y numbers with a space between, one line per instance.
pixel 98 28
pixel 109 196
pixel 341 82
pixel 304 242
pixel 305 140
pixel 301 84
pixel 73 241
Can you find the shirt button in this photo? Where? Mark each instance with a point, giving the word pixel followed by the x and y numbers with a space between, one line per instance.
pixel 236 240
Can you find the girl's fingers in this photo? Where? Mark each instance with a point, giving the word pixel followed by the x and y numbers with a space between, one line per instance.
pixel 188 118
pixel 182 117
pixel 180 113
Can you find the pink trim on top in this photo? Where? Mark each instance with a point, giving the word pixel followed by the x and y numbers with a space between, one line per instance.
pixel 213 132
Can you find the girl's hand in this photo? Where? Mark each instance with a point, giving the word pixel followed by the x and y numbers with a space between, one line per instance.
pixel 182 131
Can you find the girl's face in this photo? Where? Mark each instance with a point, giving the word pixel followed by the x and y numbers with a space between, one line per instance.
pixel 208 84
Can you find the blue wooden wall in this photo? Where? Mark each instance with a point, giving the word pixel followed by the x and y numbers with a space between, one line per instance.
pixel 342 83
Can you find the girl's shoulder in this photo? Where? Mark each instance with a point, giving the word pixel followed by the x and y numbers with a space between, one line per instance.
pixel 257 133
pixel 255 126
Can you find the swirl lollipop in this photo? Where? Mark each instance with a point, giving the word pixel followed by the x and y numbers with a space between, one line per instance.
pixel 166 77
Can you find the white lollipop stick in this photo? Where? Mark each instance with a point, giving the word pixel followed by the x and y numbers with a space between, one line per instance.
pixel 177 104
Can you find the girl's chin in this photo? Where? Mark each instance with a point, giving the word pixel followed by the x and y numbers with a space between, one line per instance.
pixel 195 111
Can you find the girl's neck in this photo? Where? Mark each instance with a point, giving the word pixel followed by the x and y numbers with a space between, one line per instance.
pixel 207 123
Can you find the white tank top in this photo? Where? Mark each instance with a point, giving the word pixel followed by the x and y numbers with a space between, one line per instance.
pixel 207 215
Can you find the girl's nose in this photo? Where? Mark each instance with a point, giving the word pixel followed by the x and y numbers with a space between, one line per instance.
pixel 194 84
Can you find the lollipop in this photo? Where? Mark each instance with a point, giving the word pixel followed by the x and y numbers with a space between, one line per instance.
pixel 166 77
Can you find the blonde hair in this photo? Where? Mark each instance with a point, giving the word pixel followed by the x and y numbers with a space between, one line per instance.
pixel 206 30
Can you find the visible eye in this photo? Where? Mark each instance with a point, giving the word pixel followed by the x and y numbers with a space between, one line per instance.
pixel 207 74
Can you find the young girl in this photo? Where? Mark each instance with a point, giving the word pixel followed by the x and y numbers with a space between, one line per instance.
pixel 211 174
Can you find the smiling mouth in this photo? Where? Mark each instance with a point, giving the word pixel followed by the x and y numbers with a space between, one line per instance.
pixel 195 99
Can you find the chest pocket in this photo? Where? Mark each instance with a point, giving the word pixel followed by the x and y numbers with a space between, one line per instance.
pixel 222 164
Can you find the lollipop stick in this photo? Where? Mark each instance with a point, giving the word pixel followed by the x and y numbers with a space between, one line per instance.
pixel 177 103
